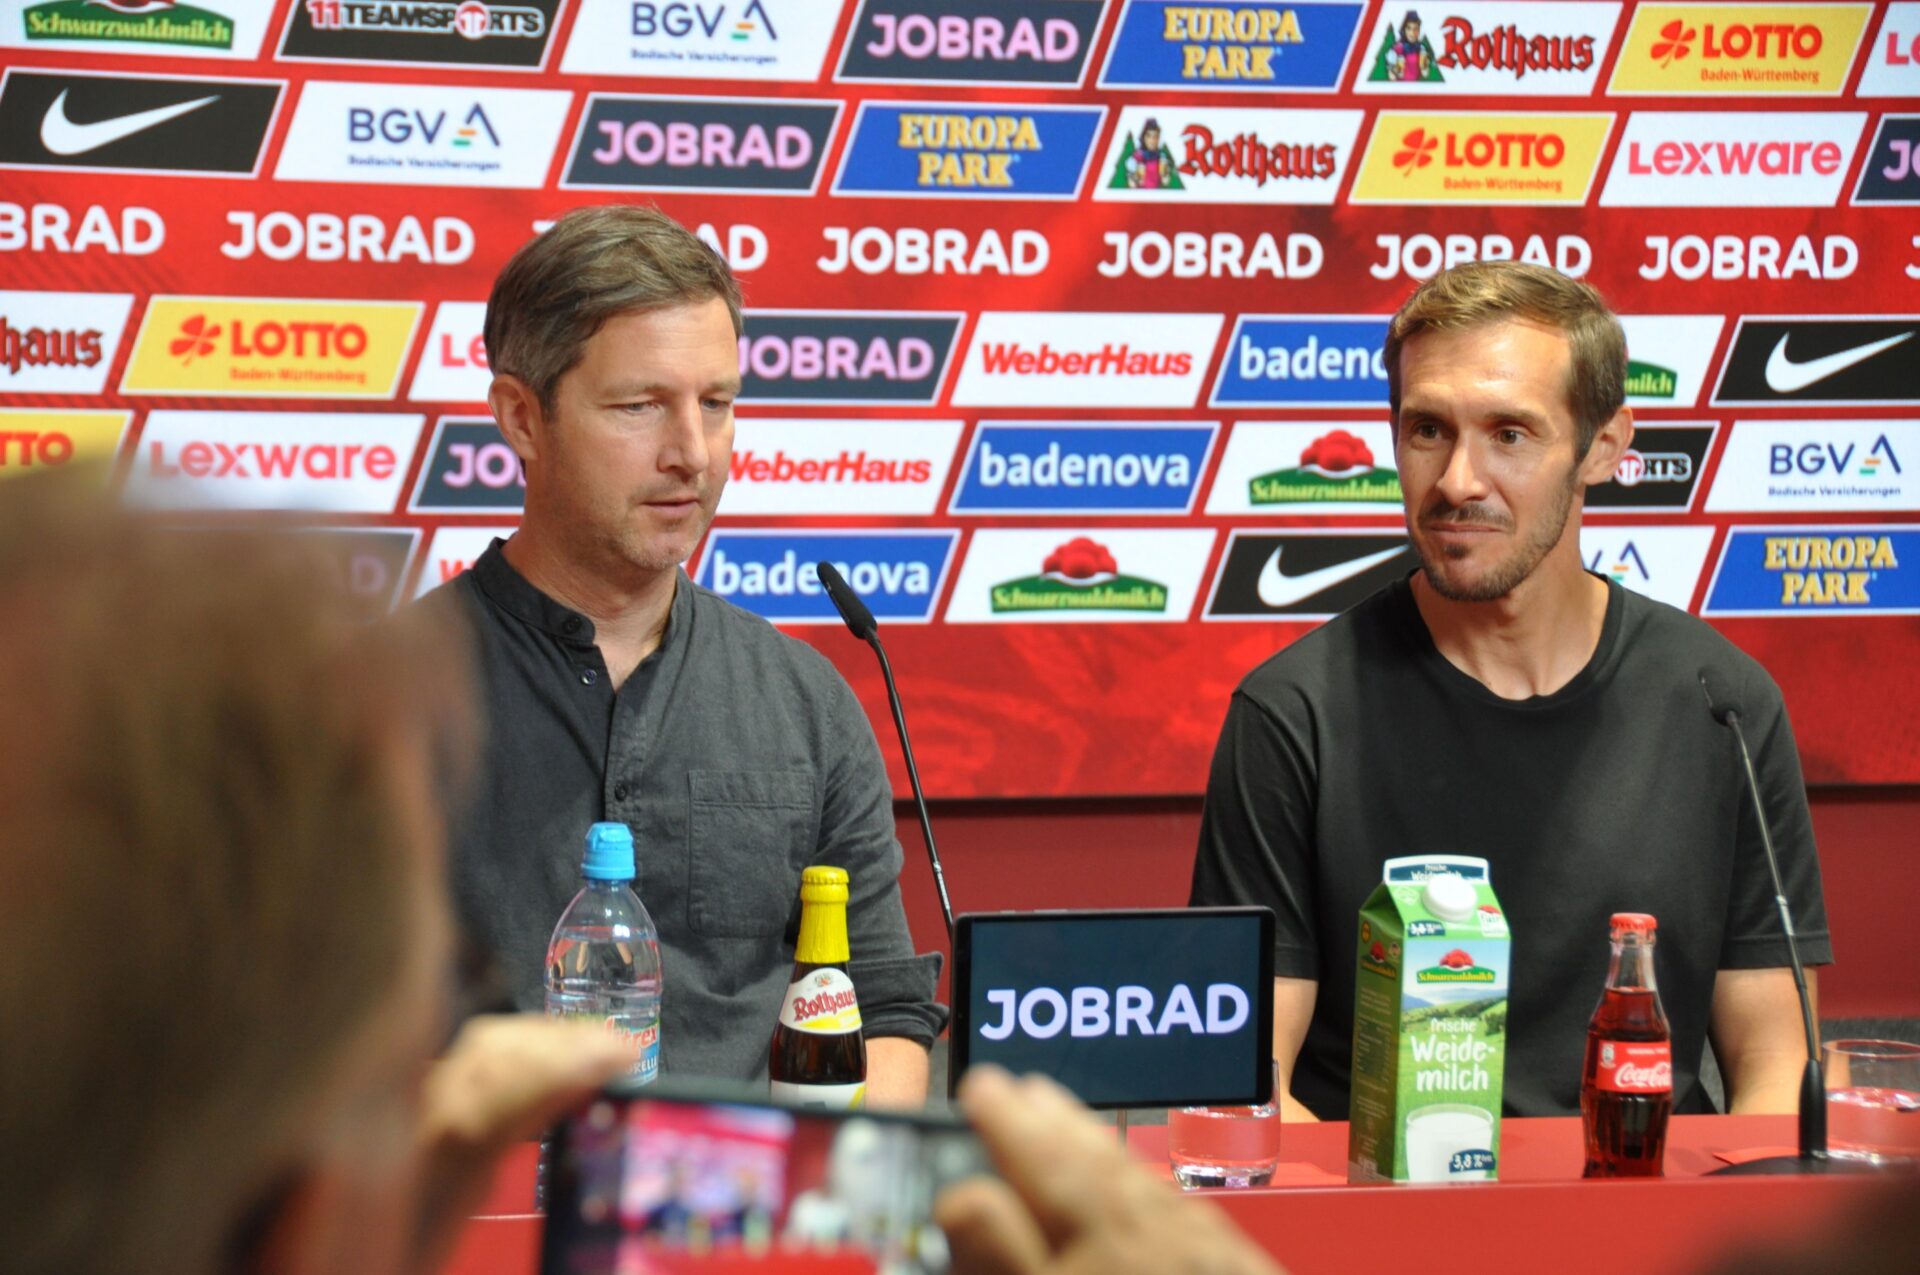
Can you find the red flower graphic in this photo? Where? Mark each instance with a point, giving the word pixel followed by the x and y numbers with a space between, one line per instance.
pixel 1080 559
pixel 195 339
pixel 1337 451
pixel 1416 151
pixel 1378 952
pixel 1457 959
pixel 1676 41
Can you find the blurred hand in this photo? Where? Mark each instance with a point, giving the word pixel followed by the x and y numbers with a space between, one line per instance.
pixel 506 1079
pixel 1072 1200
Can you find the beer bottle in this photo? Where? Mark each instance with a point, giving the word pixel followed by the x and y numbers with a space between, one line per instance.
pixel 819 1057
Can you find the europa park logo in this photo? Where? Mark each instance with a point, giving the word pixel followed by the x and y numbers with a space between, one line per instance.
pixel 1740 48
pixel 269 348
pixel 1474 158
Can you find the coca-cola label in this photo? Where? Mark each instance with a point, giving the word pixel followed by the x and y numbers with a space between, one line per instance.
pixel 821 1002
pixel 1635 1066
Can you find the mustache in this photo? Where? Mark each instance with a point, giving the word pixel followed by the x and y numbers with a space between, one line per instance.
pixel 1439 513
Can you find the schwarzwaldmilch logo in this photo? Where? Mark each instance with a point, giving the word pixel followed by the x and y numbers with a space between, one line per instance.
pixel 1867 360
pixel 1337 466
pixel 162 22
pixel 61 119
pixel 1081 575
pixel 1649 380
pixel 412 32
pixel 1300 576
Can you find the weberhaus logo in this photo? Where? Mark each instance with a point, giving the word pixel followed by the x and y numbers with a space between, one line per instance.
pixel 1073 358
pixel 968 148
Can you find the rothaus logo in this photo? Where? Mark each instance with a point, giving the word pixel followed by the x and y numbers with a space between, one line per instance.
pixel 1497 47
pixel 1183 155
pixel 1304 361
pixel 922 149
pixel 37 347
pixel 1246 46
pixel 1087 1013
pixel 759 146
pixel 1037 42
pixel 773 574
pixel 845 356
pixel 1082 468
pixel 59 342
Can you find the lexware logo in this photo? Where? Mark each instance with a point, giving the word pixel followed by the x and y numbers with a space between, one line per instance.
pixel 898 574
pixel 453 368
pixel 1866 360
pixel 469 469
pixel 1893 58
pixel 1660 470
pixel 214 29
pixel 1034 43
pixel 1217 155
pixel 90 122
pixel 1663 563
pixel 1043 468
pixel 1891 174
pixel 1481 158
pixel 421 32
pixel 59 342
pixel 845 356
pixel 702 39
pixel 255 460
pixel 453 550
pixel 1085 359
pixel 1817 466
pixel 1500 47
pixel 247 347
pixel 1798 49
pixel 1252 46
pixel 1817 571
pixel 1303 360
pixel 954 149
pixel 767 146
pixel 1719 159
pixel 782 467
pixel 421 135
pixel 1096 576
pixel 1304 575
pixel 1304 467
pixel 1668 357
pixel 32 439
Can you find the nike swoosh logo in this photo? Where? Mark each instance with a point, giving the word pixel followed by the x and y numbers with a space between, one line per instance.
pixel 1277 590
pixel 1784 376
pixel 62 136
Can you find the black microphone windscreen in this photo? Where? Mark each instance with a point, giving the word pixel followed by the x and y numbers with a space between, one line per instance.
pixel 860 621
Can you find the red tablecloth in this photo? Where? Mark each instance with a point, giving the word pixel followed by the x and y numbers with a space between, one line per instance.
pixel 1539 1217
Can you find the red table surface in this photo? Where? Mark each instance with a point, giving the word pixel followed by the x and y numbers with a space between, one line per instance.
pixel 1539 1216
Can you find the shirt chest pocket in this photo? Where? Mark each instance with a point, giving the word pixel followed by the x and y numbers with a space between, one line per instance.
pixel 749 834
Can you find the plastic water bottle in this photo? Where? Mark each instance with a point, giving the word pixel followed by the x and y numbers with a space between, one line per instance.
pixel 603 965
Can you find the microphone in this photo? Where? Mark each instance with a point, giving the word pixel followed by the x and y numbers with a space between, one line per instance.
pixel 861 624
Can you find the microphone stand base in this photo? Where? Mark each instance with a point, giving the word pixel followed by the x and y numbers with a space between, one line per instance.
pixel 1794 1165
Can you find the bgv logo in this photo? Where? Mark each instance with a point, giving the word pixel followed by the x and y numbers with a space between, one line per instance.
pixel 1086 1012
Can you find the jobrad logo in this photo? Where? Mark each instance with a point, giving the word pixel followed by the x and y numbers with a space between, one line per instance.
pixel 1071 576
pixel 421 135
pixel 748 145
pixel 1304 575
pixel 1501 46
pixel 246 346
pixel 1660 470
pixel 1256 45
pixel 1891 174
pixel 1078 469
pixel 702 39
pixel 32 439
pixel 59 342
pixel 421 32
pixel 1042 43
pixel 1743 48
pixel 845 356
pixel 1817 466
pixel 1717 159
pixel 1284 360
pixel 1893 58
pixel 88 121
pixel 782 467
pixel 1086 359
pixel 1473 158
pixel 284 460
pixel 1092 1012
pixel 211 29
pixel 469 469
pixel 1199 155
pixel 968 149
pixel 365 566
pixel 772 573
pixel 1817 571
pixel 1866 360
pixel 1662 563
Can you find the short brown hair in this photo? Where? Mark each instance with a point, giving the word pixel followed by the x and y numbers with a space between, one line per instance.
pixel 207 870
pixel 1489 291
pixel 593 265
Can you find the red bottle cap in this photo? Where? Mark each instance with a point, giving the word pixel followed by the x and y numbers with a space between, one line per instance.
pixel 1633 922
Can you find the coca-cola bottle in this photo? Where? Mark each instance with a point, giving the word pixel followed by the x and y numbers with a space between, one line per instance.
pixel 1627 1090
pixel 819 1057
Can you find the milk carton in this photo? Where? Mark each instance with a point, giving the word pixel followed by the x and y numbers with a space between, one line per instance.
pixel 1429 1025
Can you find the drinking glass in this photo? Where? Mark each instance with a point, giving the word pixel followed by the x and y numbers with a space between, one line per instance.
pixel 1225 1146
pixel 1873 1101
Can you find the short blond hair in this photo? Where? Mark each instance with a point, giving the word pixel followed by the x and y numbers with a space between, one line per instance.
pixel 1480 292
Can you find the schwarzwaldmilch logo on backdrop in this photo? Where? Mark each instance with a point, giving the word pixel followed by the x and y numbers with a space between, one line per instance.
pixel 764 146
pixel 1302 576
pixel 1863 359
pixel 1661 470
pixel 1030 42
pixel 158 24
pixel 826 356
pixel 422 32
pixel 66 119
pixel 1080 575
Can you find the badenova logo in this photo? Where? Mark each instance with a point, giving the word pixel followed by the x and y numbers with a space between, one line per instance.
pixel 957 149
pixel 1244 47
pixel 453 368
pixel 1717 159
pixel 1668 356
pixel 1891 174
pixel 1071 576
pixel 1817 466
pixel 898 574
pixel 1034 43
pixel 60 342
pixel 1737 47
pixel 453 550
pixel 782 467
pixel 1303 360
pixel 1304 575
pixel 33 439
pixel 213 29
pixel 845 356
pixel 421 32
pixel 1221 155
pixel 1662 563
pixel 1474 158
pixel 255 348
pixel 1118 467
pixel 702 39
pixel 1086 359
pixel 763 145
pixel 331 462
pixel 469 469
pixel 1893 59
pixel 1863 360
pixel 422 135
pixel 1770 571
pixel 1303 467
pixel 88 121
pixel 1502 47
pixel 1660 470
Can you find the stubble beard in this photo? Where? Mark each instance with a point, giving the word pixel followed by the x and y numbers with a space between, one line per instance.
pixel 1505 576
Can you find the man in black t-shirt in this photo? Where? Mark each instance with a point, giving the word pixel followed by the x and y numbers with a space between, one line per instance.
pixel 1503 702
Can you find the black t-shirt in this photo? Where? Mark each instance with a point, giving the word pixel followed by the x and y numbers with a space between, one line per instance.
pixel 1617 793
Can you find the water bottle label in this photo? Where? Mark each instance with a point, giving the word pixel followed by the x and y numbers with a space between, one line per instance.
pixel 1635 1066
pixel 821 1097
pixel 822 1002
pixel 642 1042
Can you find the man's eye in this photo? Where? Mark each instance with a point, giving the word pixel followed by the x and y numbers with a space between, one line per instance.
pixel 716 404
pixel 1426 429
pixel 1509 436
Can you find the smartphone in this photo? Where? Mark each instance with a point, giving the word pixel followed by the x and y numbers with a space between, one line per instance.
pixel 670 1178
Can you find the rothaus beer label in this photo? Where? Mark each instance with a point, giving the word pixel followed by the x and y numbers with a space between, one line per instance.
pixel 821 1002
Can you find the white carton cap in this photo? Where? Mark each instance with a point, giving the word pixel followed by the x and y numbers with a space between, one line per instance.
pixel 1450 897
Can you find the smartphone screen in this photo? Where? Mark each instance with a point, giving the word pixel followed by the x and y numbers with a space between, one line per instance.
pixel 648 1181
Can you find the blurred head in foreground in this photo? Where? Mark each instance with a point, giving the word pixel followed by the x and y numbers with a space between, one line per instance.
pixel 222 931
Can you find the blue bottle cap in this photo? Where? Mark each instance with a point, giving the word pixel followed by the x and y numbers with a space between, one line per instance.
pixel 609 853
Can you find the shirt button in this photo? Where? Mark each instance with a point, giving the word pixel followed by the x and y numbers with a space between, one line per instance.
pixel 586 676
pixel 619 792
pixel 571 626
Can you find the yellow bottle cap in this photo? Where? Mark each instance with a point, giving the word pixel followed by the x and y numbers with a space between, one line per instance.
pixel 823 885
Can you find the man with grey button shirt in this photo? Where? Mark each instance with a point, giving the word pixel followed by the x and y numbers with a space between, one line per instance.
pixel 618 689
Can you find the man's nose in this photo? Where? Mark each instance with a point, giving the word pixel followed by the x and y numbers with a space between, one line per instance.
pixel 684 449
pixel 1462 480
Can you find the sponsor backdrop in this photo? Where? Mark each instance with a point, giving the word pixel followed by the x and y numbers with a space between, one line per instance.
pixel 1064 315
